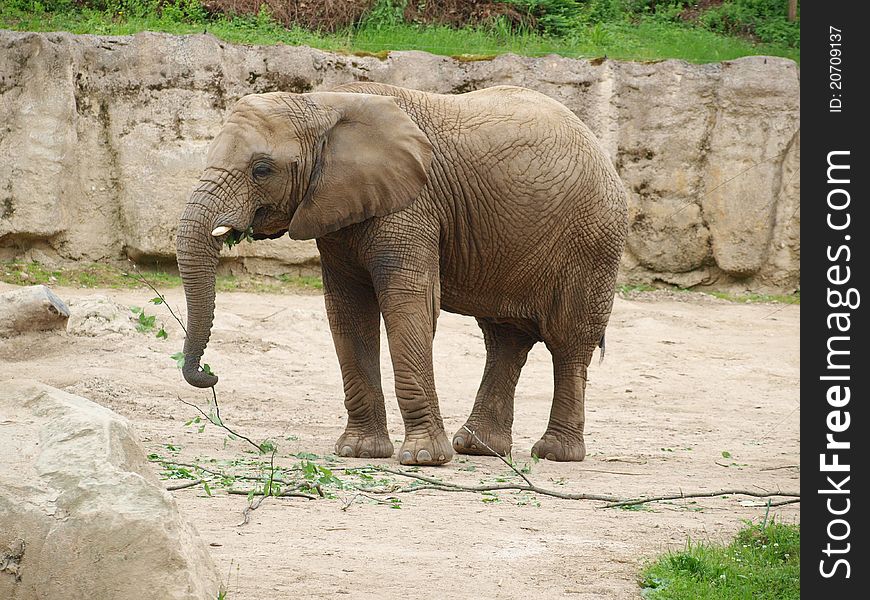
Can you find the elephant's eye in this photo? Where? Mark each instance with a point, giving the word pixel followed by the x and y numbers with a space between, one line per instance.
pixel 261 170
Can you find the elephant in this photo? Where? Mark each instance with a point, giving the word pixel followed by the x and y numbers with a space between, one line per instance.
pixel 498 204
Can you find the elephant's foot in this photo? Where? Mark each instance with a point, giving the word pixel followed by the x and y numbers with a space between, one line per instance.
pixel 360 444
pixel 425 449
pixel 486 441
pixel 560 448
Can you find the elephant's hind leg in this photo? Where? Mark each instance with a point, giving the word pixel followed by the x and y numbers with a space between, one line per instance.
pixel 563 440
pixel 355 322
pixel 492 416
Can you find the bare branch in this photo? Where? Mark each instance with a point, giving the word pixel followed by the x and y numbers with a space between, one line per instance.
pixel 502 458
pixel 182 486
pixel 252 506
pixel 637 501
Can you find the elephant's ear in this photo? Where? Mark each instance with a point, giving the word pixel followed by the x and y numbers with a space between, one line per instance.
pixel 374 161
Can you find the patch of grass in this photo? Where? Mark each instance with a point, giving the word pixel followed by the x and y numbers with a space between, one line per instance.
pixel 269 285
pixel 758 298
pixel 644 38
pixel 762 563
pixel 98 275
pixel 81 275
pixel 639 287
pixel 745 298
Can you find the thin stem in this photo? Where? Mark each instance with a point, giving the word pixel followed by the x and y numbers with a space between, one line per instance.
pixel 140 277
pixel 220 422
pixel 502 458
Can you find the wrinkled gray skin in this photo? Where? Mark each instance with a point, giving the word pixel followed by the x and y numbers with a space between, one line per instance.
pixel 498 204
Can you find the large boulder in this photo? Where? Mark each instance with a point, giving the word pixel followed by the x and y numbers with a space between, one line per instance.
pixel 82 515
pixel 33 308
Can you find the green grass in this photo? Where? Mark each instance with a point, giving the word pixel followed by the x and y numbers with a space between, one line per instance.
pixel 648 39
pixel 763 298
pixel 81 275
pixel 762 563
pixel 98 275
pixel 743 298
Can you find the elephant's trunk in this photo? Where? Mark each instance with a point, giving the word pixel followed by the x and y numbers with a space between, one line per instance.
pixel 197 253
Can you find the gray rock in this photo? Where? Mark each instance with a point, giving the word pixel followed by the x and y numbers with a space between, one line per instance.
pixel 33 308
pixel 82 514
pixel 97 316
pixel 104 137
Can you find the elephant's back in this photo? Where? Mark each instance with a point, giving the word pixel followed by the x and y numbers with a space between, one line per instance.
pixel 524 192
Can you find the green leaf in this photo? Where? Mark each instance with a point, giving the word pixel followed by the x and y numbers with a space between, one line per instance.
pixel 178 357
pixel 156 301
pixel 207 369
pixel 267 446
pixel 726 454
pixel 305 456
pixel 162 335
pixel 145 322
pixel 206 487
pixel 214 418
pixel 135 310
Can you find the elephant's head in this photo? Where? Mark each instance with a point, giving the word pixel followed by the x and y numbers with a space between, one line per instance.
pixel 309 164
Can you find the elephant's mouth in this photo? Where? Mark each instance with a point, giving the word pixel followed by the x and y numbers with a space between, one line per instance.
pixel 269 223
pixel 268 236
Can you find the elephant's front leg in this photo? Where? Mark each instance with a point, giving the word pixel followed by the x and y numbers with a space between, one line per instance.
pixel 355 322
pixel 409 317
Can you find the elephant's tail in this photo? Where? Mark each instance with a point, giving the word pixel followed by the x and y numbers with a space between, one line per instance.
pixel 601 345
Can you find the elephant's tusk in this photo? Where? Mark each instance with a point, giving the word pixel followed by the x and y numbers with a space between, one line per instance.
pixel 220 230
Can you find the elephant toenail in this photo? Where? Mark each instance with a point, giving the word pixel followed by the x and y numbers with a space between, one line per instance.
pixel 459 441
pixel 407 456
pixel 424 456
pixel 346 451
pixel 365 454
pixel 441 457
pixel 550 456
pixel 474 446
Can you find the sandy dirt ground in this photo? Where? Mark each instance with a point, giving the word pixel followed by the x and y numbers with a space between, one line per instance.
pixel 686 378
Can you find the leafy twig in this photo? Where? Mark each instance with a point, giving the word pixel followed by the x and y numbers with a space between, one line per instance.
pixel 141 278
pixel 348 502
pixel 282 494
pixel 614 501
pixel 456 487
pixel 216 420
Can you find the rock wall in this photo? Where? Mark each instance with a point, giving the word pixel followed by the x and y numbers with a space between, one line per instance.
pixel 102 139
